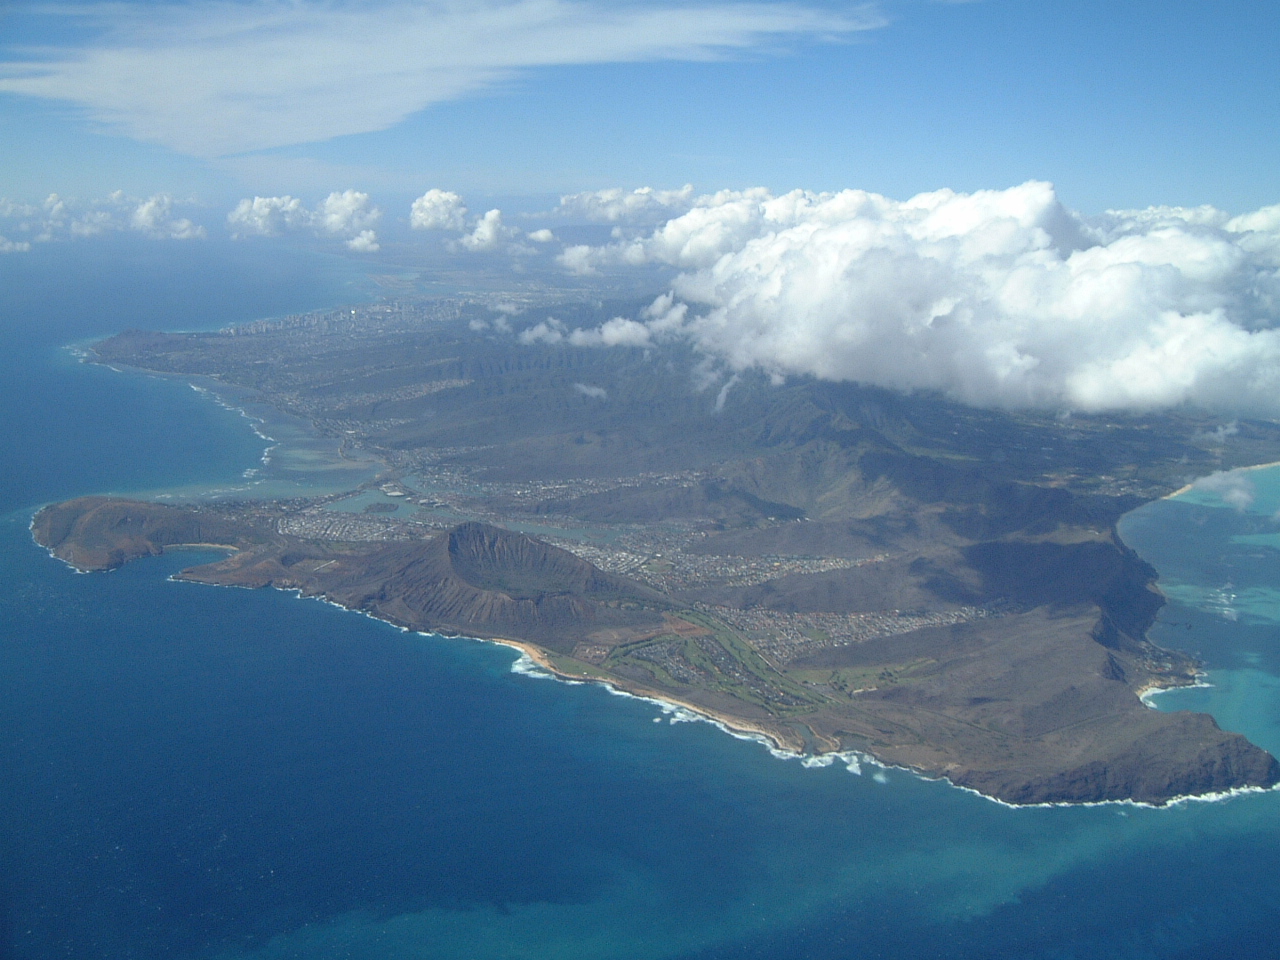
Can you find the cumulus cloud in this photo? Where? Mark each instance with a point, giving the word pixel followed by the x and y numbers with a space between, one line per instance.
pixel 645 206
pixel 1233 487
pixel 488 233
pixel 13 208
pixel 1218 435
pixel 445 210
pixel 366 241
pixel 618 332
pixel 230 76
pixel 347 214
pixel 595 393
pixel 580 259
pixel 60 218
pixel 154 217
pixel 996 298
pixel 267 216
pixel 549 330
pixel 438 210
pixel 714 225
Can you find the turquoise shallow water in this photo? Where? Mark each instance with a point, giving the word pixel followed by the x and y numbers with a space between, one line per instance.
pixel 195 772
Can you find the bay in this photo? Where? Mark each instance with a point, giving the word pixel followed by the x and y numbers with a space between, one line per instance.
pixel 196 772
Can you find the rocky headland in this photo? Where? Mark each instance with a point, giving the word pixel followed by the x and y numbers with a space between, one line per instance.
pixel 1034 703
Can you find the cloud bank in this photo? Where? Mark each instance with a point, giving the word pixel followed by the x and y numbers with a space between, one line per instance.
pixel 219 78
pixel 348 214
pixel 999 298
pixel 64 218
pixel 645 205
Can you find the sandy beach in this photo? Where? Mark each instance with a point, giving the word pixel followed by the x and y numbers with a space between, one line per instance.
pixel 733 725
pixel 1183 489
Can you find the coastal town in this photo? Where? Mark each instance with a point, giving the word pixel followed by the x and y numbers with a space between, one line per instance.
pixel 655 554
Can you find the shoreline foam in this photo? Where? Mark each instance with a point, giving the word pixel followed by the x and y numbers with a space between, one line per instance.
pixel 1152 690
pixel 736 727
pixel 534 662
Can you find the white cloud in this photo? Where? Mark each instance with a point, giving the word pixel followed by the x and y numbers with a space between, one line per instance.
pixel 267 216
pixel 346 214
pixel 438 210
pixel 618 332
pixel 595 393
pixel 645 206
pixel 366 241
pixel 62 218
pixel 154 217
pixel 1219 435
pixel 13 246
pixel 665 315
pixel 656 320
pixel 723 394
pixel 714 225
pixel 549 330
pixel 996 298
pixel 579 259
pixel 185 230
pixel 1265 221
pixel 489 233
pixel 10 209
pixel 89 224
pixel 223 77
pixel 151 215
pixel 541 236
pixel 1233 487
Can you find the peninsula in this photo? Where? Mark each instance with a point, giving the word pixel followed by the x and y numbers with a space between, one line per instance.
pixel 833 567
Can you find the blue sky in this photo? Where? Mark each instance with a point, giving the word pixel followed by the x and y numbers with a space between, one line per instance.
pixel 1119 104
pixel 1057 205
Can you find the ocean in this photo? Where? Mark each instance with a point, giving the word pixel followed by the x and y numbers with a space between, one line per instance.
pixel 194 772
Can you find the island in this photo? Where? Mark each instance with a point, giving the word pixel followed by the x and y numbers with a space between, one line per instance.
pixel 835 568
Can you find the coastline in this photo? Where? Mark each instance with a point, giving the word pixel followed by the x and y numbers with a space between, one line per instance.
pixel 278 429
pixel 1185 487
pixel 1153 689
pixel 775 740
pixel 852 759
pixel 537 662
pixel 734 726
pixel 906 869
pixel 740 729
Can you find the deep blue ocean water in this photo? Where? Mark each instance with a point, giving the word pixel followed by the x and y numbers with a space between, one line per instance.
pixel 192 772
